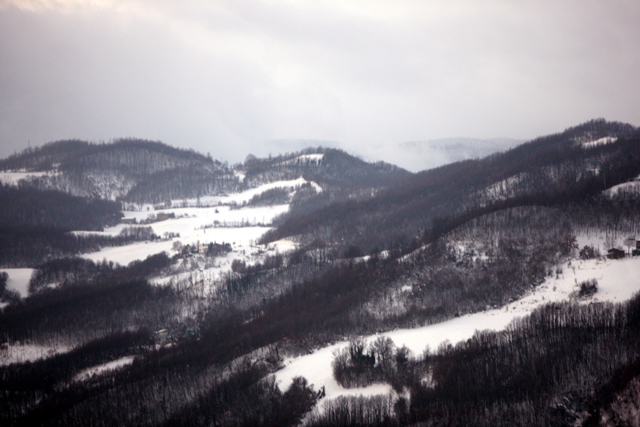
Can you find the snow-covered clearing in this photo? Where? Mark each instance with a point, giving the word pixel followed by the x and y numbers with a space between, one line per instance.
pixel 245 196
pixel 306 159
pixel 19 280
pixel 631 188
pixel 106 367
pixel 617 281
pixel 12 178
pixel 123 255
pixel 316 368
pixel 503 189
pixel 240 227
pixel 597 142
pixel 203 225
pixel 20 353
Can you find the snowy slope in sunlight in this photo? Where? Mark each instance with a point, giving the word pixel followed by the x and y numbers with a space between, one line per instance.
pixel 617 281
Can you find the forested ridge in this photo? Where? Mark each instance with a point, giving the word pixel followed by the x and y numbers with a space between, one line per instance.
pixel 140 171
pixel 376 250
pixel 548 170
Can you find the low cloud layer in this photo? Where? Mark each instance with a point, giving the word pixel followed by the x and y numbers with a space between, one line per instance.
pixel 233 78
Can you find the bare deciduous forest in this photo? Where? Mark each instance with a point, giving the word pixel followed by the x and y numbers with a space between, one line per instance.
pixel 376 249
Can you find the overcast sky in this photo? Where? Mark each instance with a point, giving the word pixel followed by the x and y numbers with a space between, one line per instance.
pixel 237 77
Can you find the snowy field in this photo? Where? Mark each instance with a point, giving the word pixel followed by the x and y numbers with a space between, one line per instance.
pixel 221 224
pixel 216 223
pixel 191 224
pixel 240 227
pixel 618 280
pixel 19 280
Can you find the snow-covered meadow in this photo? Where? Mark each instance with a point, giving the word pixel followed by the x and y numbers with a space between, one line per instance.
pixel 220 222
pixel 211 219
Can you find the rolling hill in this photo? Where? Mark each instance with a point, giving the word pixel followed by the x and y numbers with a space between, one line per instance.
pixel 148 285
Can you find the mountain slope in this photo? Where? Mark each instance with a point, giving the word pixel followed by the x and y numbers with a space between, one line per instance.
pixel 541 171
pixel 139 171
pixel 195 331
pixel 114 171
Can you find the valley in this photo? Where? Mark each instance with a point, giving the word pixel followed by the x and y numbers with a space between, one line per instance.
pixel 314 288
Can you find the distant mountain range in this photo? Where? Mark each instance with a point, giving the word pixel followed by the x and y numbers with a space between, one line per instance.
pixel 457 149
pixel 418 156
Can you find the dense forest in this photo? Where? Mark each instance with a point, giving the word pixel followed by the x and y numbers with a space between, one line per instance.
pixel 26 206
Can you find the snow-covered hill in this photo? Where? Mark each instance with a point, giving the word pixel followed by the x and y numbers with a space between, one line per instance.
pixel 214 219
pixel 182 313
pixel 618 281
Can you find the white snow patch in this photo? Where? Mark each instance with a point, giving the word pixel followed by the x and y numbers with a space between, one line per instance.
pixel 20 353
pixel 106 367
pixel 205 220
pixel 12 178
pixel 19 280
pixel 597 142
pixel 239 227
pixel 244 196
pixel 505 188
pixel 316 368
pixel 306 159
pixel 123 255
pixel 631 188
pixel 283 245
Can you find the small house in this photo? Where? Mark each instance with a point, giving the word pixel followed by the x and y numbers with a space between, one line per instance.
pixel 615 253
pixel 161 336
pixel 161 216
pixel 214 248
pixel 127 221
pixel 202 248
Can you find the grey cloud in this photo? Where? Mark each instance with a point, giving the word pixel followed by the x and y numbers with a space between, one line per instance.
pixel 231 78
